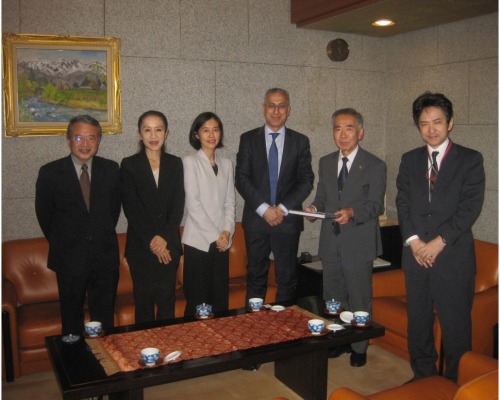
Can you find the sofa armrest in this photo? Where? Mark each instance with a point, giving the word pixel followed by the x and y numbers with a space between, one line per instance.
pixel 473 365
pixel 9 330
pixel 344 393
pixel 484 387
pixel 389 283
pixel 484 318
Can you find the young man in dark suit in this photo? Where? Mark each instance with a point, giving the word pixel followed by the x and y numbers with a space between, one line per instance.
pixel 352 186
pixel 273 175
pixel 77 205
pixel 440 196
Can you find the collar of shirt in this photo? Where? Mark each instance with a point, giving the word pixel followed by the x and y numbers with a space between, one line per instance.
pixel 78 166
pixel 351 158
pixel 439 158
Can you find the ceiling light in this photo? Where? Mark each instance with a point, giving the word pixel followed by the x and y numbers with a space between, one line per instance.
pixel 383 22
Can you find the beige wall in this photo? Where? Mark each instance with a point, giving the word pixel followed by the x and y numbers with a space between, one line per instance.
pixel 223 54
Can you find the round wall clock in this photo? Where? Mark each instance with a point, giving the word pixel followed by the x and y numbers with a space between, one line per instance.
pixel 337 50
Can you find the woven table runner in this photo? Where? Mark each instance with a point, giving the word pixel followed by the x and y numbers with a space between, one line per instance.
pixel 121 352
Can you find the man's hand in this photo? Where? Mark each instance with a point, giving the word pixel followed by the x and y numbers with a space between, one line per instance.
pixel 310 209
pixel 343 216
pixel 428 253
pixel 274 216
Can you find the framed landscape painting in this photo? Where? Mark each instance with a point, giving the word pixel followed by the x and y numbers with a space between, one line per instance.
pixel 49 79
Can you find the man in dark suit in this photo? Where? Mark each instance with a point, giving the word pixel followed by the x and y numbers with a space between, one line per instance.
pixel 352 186
pixel 440 196
pixel 270 190
pixel 77 205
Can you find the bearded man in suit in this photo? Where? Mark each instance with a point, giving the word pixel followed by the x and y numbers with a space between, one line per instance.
pixel 79 220
pixel 273 175
pixel 352 187
pixel 440 196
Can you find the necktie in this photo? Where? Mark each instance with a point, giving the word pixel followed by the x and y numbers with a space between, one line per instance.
pixel 273 167
pixel 343 175
pixel 85 185
pixel 434 170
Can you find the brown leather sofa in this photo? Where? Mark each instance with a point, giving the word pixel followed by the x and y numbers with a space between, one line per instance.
pixel 389 305
pixel 30 299
pixel 477 380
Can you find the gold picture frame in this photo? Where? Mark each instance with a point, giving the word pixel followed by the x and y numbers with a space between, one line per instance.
pixel 48 79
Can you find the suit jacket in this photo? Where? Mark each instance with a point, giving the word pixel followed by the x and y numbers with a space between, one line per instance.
pixel 75 234
pixel 455 205
pixel 210 200
pixel 295 180
pixel 363 191
pixel 152 210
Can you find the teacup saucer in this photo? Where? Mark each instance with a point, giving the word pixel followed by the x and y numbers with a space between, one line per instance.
pixel 70 339
pixel 346 316
pixel 209 316
pixel 334 327
pixel 100 334
pixel 172 356
pixel 158 362
pixel 277 308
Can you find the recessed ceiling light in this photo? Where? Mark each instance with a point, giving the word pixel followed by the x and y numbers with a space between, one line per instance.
pixel 383 22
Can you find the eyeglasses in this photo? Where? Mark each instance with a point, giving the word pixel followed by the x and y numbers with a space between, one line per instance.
pixel 272 107
pixel 81 139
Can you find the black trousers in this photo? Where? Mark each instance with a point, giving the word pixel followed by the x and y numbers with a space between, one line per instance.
pixel 284 247
pixel 154 287
pixel 96 284
pixel 206 278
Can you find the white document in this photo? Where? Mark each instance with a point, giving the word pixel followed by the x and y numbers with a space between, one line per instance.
pixel 313 214
pixel 316 265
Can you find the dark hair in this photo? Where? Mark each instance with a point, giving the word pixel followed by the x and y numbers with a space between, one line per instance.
pixel 349 111
pixel 198 123
pixel 151 113
pixel 86 119
pixel 429 99
pixel 278 90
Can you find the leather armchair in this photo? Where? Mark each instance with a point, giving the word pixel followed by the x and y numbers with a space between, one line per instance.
pixel 477 379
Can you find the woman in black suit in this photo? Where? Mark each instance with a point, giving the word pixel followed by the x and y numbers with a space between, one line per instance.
pixel 153 202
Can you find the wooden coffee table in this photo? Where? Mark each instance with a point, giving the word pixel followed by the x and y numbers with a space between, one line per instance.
pixel 301 364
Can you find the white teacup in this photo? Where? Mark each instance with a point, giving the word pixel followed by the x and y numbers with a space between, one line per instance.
pixel 93 328
pixel 150 355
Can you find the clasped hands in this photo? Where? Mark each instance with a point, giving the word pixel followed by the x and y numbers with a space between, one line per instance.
pixel 158 247
pixel 426 253
pixel 274 215
pixel 222 243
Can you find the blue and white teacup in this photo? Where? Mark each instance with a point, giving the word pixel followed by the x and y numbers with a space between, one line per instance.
pixel 93 328
pixel 361 317
pixel 203 310
pixel 150 355
pixel 255 303
pixel 332 306
pixel 316 326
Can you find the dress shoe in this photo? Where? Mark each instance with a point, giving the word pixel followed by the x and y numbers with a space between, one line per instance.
pixel 358 359
pixel 337 351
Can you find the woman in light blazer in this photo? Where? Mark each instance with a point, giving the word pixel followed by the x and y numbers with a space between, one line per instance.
pixel 209 225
